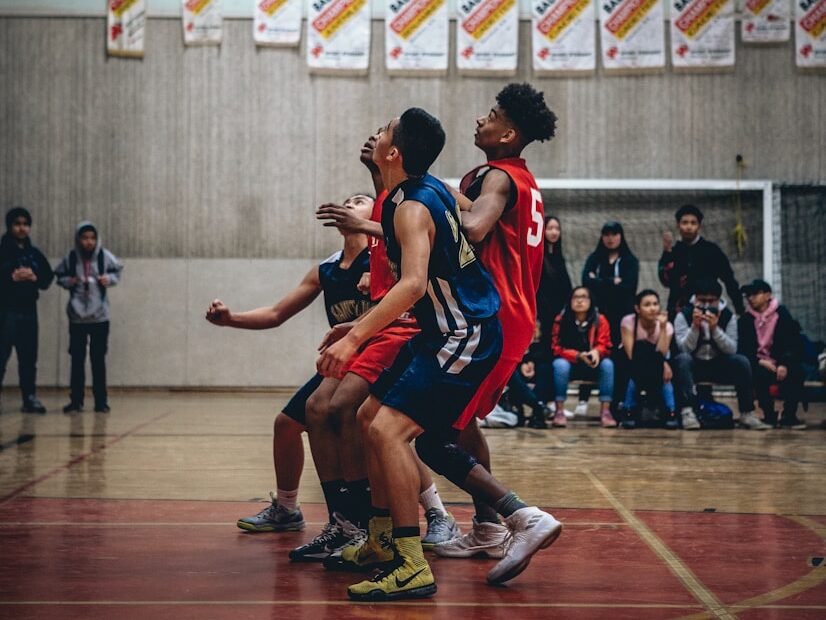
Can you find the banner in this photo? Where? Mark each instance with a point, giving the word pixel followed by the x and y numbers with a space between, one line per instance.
pixel 487 36
pixel 632 34
pixel 416 35
pixel 277 22
pixel 203 22
pixel 338 35
pixel 765 21
pixel 810 33
pixel 125 27
pixel 564 36
pixel 702 33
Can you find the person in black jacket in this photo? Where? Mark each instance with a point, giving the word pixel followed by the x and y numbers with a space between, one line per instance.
pixel 770 338
pixel 24 272
pixel 554 282
pixel 692 259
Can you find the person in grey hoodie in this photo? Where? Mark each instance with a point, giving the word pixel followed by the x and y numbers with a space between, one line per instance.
pixel 87 272
pixel 706 340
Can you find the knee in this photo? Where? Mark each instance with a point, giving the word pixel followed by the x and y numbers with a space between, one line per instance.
pixel 606 367
pixel 682 362
pixel 284 424
pixel 365 416
pixel 316 410
pixel 741 366
pixel 561 366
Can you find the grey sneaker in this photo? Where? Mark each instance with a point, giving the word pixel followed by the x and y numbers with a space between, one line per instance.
pixel 530 530
pixel 485 539
pixel 274 518
pixel 441 527
pixel 751 421
pixel 690 422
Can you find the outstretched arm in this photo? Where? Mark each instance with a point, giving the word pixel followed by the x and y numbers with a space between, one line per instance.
pixel 269 316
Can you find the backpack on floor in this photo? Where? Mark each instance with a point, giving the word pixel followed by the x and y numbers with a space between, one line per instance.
pixel 714 415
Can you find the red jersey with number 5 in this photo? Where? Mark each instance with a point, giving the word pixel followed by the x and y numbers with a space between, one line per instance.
pixel 512 253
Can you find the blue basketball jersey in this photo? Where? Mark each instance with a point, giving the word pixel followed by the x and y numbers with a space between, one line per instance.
pixel 342 299
pixel 460 292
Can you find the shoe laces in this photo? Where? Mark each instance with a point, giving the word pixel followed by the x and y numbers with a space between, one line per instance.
pixel 328 533
pixel 270 511
pixel 438 523
pixel 349 529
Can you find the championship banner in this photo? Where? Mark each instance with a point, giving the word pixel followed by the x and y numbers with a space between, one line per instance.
pixel 564 36
pixel 338 36
pixel 203 22
pixel 277 22
pixel 416 36
pixel 765 21
pixel 632 34
pixel 487 36
pixel 810 34
pixel 125 27
pixel 702 34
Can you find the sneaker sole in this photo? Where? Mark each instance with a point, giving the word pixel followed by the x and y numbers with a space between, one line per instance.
pixel 546 542
pixel 292 527
pixel 471 553
pixel 338 565
pixel 377 596
pixel 309 557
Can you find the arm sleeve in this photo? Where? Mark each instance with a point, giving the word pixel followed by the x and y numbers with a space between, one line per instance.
pixel 556 347
pixel 726 274
pixel 686 335
pixel 587 279
pixel 630 274
pixel 603 344
pixel 62 273
pixel 665 267
pixel 113 267
pixel 44 272
pixel 726 339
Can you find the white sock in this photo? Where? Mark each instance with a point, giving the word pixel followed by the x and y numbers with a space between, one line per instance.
pixel 288 499
pixel 429 498
pixel 686 410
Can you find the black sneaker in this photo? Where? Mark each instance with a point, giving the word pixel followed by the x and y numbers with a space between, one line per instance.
pixel 32 405
pixel 73 408
pixel 102 408
pixel 538 418
pixel 333 537
pixel 792 422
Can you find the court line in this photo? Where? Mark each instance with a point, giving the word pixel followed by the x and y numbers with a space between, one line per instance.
pixel 674 563
pixel 78 459
pixel 223 524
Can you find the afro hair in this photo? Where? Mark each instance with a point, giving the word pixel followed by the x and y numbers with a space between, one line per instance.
pixel 526 108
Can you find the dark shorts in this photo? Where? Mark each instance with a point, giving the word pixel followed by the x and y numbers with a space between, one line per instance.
pixel 297 407
pixel 432 379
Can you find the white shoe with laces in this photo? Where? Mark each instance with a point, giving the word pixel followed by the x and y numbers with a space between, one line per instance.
pixel 531 529
pixel 751 421
pixel 581 408
pixel 484 539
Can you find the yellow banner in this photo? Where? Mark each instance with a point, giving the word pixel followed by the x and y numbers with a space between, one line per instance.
pixel 119 7
pixel 271 6
pixel 697 15
pixel 483 19
pixel 336 15
pixel 196 6
pixel 413 16
pixel 563 15
pixel 629 15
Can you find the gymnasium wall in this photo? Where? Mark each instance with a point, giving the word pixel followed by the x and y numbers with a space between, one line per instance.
pixel 202 168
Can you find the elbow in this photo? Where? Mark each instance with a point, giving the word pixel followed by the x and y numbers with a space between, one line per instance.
pixel 475 235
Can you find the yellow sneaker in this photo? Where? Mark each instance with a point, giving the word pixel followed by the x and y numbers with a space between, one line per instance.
pixel 406 580
pixel 374 552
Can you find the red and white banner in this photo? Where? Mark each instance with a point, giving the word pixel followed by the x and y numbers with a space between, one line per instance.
pixel 125 27
pixel 564 36
pixel 765 21
pixel 338 35
pixel 632 34
pixel 416 35
pixel 702 33
pixel 810 34
pixel 487 36
pixel 277 22
pixel 203 22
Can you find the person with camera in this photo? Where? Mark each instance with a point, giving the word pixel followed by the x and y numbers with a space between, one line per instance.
pixel 581 345
pixel 706 338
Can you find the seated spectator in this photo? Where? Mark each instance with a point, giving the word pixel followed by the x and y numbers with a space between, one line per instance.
pixel 770 339
pixel 530 383
pixel 692 259
pixel 581 344
pixel 646 340
pixel 706 339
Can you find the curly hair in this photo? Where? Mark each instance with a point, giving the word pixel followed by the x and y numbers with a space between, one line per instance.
pixel 526 108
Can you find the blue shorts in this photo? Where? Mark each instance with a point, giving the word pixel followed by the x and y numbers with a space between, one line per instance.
pixel 433 379
pixel 297 407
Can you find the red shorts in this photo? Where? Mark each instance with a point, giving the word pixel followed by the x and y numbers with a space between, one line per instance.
pixel 489 392
pixel 380 351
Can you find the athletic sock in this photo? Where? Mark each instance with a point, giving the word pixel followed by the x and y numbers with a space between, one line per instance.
pixel 508 504
pixel 288 499
pixel 359 497
pixel 429 498
pixel 409 546
pixel 485 513
pixel 335 495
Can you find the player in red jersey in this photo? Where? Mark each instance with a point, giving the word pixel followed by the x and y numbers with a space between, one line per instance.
pixel 503 216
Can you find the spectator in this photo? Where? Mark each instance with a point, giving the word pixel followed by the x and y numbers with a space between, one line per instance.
pixel 581 344
pixel 531 383
pixel 555 283
pixel 692 259
pixel 646 340
pixel 87 272
pixel 770 339
pixel 24 272
pixel 706 340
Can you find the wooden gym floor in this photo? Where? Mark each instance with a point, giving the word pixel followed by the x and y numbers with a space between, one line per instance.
pixel 132 515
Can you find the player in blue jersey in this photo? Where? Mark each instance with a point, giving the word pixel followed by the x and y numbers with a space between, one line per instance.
pixel 438 372
pixel 337 278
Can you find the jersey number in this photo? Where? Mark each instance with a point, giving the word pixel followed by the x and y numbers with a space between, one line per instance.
pixel 535 236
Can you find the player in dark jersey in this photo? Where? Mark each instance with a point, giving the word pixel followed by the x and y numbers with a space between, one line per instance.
pixel 503 216
pixel 437 373
pixel 337 278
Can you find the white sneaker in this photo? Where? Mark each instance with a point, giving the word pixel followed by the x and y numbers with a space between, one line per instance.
pixel 530 530
pixel 484 539
pixel 690 422
pixel 751 421
pixel 581 408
